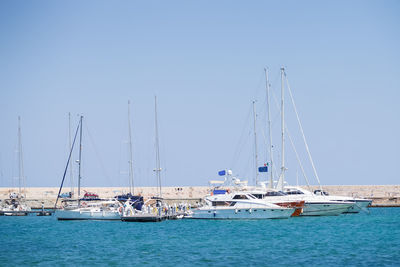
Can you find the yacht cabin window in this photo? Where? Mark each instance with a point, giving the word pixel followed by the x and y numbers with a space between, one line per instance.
pixel 269 194
pixel 295 192
pixel 274 193
pixel 240 197
pixel 220 203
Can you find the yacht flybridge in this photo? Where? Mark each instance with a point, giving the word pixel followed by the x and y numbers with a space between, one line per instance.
pixel 222 204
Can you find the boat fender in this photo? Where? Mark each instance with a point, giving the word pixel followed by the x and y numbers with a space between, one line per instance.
pixel 250 210
pixel 120 210
pixel 236 211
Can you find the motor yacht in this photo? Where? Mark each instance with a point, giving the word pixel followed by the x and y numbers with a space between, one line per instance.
pixel 278 198
pixel 360 204
pixel 222 204
pixel 318 205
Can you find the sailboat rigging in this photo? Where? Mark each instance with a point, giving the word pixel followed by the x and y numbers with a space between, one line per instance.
pixel 158 167
pixel 68 162
pixel 271 180
pixel 17 206
pixel 88 209
pixel 131 183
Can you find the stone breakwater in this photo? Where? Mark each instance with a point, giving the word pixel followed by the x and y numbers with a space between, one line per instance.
pixel 382 195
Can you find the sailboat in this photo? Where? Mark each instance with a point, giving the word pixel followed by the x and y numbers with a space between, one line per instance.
pixel 86 210
pixel 314 205
pixel 134 200
pixel 16 205
pixel 154 209
pixel 260 190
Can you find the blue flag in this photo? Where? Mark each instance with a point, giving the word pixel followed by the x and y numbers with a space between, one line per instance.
pixel 263 169
pixel 222 173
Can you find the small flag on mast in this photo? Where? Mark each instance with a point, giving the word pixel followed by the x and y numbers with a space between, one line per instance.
pixel 263 169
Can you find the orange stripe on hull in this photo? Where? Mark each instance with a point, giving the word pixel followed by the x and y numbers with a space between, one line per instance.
pixel 295 204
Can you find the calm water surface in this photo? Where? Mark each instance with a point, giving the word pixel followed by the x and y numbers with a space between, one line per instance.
pixel 358 240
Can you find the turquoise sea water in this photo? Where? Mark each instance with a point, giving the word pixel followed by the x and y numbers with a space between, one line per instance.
pixel 358 240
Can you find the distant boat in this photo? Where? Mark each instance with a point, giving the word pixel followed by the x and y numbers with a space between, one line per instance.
pixel 93 210
pixel 16 205
pixel 135 200
pixel 222 204
pixel 360 204
pixel 85 208
pixel 276 197
pixel 90 196
pixel 314 205
pixel 317 205
pixel 155 209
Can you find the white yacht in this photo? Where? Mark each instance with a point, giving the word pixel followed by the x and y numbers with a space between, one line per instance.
pixel 360 204
pixel 239 205
pixel 318 205
pixel 314 205
pixel 278 198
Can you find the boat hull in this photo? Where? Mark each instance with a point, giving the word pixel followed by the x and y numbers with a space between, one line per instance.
pixel 87 215
pixel 360 204
pixel 297 205
pixel 325 209
pixel 258 213
pixel 19 213
pixel 143 218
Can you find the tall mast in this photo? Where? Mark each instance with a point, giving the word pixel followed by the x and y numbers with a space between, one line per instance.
pixel 158 168
pixel 79 163
pixel 271 179
pixel 131 185
pixel 282 178
pixel 20 161
pixel 255 142
pixel 71 176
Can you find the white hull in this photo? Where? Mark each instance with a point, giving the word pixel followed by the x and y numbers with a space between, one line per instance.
pixel 87 215
pixel 229 213
pixel 359 205
pixel 325 209
pixel 19 213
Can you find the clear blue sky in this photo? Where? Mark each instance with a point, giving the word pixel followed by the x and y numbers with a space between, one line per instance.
pixel 204 60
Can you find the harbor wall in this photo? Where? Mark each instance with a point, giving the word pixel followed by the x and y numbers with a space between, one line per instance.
pixel 382 195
